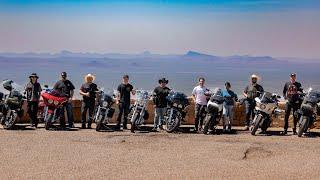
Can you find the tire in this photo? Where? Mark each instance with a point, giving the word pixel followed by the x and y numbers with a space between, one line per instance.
pixel 10 121
pixel 134 120
pixel 206 124
pixel 171 127
pixel 303 126
pixel 257 120
pixel 47 123
pixel 99 122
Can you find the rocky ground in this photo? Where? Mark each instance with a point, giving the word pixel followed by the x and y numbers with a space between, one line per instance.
pixel 86 154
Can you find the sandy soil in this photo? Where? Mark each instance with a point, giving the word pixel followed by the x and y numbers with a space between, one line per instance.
pixel 87 154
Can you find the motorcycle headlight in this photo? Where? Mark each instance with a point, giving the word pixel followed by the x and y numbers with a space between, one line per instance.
pixel 50 101
pixel 105 103
pixel 180 106
pixel 262 106
pixel 175 105
pixel 56 103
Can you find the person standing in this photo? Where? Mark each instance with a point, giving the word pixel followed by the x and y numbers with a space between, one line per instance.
pixel 252 91
pixel 200 95
pixel 123 100
pixel 33 91
pixel 291 92
pixel 228 106
pixel 160 102
pixel 88 91
pixel 66 88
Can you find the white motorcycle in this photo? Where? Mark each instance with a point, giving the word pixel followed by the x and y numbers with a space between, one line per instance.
pixel 138 112
pixel 266 106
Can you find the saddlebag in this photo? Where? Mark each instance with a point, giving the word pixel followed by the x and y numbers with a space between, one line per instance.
pixel 110 113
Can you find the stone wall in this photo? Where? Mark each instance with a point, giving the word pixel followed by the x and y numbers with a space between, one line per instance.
pixel 189 120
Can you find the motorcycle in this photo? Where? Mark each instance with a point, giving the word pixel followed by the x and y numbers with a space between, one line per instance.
pixel 214 111
pixel 138 112
pixel 176 112
pixel 104 110
pixel 42 108
pixel 266 106
pixel 53 102
pixel 309 110
pixel 12 104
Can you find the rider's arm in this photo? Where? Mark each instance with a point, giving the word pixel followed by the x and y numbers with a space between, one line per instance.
pixel 245 92
pixel 133 91
pixel 285 88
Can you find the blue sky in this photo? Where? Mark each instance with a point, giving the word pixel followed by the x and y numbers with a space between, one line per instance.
pixel 221 27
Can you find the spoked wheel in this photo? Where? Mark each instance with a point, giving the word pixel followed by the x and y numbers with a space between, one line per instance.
pixel 9 121
pixel 99 122
pixel 134 119
pixel 257 120
pixel 48 121
pixel 303 126
pixel 173 123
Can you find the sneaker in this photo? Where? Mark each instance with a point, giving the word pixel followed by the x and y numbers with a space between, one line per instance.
pixel 295 132
pixel 200 129
pixel 285 132
pixel 161 128
pixel 125 127
pixel 154 129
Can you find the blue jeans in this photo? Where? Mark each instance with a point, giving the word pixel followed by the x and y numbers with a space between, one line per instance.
pixel 69 110
pixel 159 116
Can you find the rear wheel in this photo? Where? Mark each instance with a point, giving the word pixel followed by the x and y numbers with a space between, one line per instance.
pixel 48 121
pixel 303 126
pixel 9 121
pixel 257 120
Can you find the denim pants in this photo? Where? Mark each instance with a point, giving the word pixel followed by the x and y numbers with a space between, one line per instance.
pixel 89 105
pixel 250 105
pixel 69 110
pixel 200 113
pixel 228 112
pixel 33 111
pixel 294 107
pixel 159 116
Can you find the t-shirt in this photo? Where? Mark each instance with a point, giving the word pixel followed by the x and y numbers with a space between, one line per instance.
pixel 64 87
pixel 125 92
pixel 33 91
pixel 290 91
pixel 229 97
pixel 90 88
pixel 160 96
pixel 253 91
pixel 199 93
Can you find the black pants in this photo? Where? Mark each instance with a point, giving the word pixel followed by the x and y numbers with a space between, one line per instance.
pixel 294 107
pixel 249 105
pixel 200 113
pixel 33 111
pixel 123 110
pixel 87 105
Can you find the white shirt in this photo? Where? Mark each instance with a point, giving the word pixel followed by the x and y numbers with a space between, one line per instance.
pixel 199 93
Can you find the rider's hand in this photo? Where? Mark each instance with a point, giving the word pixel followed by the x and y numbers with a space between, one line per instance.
pixel 70 100
pixel 154 106
pixel 87 94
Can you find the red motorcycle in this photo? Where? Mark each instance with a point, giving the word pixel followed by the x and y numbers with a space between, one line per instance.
pixel 53 103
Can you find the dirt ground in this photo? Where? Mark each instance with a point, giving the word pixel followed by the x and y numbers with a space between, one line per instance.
pixel 87 154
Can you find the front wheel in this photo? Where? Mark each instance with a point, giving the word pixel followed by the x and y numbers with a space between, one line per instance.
pixel 99 122
pixel 257 120
pixel 303 126
pixel 48 121
pixel 173 123
pixel 9 121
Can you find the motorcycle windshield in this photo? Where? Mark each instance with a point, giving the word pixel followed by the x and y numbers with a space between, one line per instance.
pixel 313 96
pixel 217 96
pixel 141 95
pixel 8 85
pixel 266 97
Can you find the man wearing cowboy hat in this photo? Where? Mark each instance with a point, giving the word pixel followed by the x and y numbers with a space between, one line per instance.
pixel 32 91
pixel 160 103
pixel 252 91
pixel 291 92
pixel 88 91
pixel 66 88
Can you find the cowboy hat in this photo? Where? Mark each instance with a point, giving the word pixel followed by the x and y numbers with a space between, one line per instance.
pixel 34 75
pixel 163 80
pixel 89 76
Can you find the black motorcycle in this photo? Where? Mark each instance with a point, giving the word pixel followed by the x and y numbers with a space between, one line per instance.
pixel 214 111
pixel 308 111
pixel 176 112
pixel 11 108
pixel 104 110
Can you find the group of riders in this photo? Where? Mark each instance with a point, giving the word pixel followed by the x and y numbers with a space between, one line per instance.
pixel 201 95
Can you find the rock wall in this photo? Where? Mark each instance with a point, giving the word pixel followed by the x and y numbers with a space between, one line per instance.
pixel 189 120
